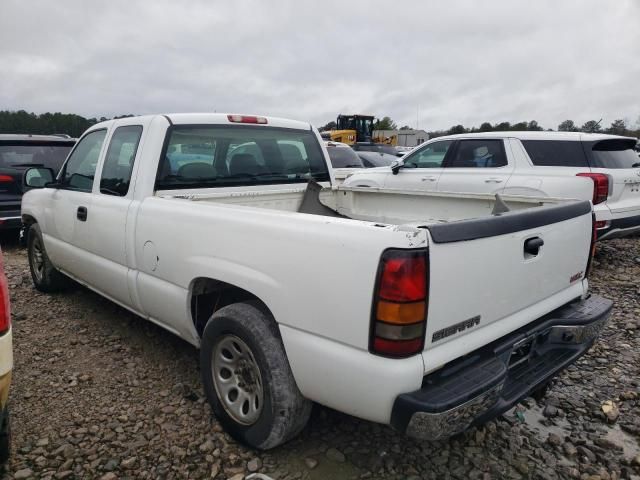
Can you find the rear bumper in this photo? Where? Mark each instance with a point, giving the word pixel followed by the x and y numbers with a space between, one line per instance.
pixel 620 227
pixel 486 383
pixel 10 216
pixel 10 220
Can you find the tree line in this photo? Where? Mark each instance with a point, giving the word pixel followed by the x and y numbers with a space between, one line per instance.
pixel 47 123
pixel 74 125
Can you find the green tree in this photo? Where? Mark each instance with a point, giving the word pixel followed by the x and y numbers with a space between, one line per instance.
pixel 485 127
pixel 591 126
pixel 618 127
pixel 503 126
pixel 406 127
pixel 567 126
pixel 329 126
pixel 520 126
pixel 456 129
pixel 385 124
pixel 533 126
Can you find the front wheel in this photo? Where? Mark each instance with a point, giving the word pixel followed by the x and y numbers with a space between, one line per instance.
pixel 247 378
pixel 45 276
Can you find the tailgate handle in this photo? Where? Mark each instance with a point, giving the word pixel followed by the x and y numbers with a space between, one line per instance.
pixel 532 246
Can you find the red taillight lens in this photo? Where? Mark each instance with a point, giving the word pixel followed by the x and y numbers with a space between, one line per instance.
pixel 5 310
pixel 246 119
pixel 600 186
pixel 400 304
pixel 6 179
pixel 403 279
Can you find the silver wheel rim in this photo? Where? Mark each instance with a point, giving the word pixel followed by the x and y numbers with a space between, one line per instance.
pixel 37 259
pixel 237 379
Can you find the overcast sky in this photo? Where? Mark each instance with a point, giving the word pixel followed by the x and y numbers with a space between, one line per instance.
pixel 453 61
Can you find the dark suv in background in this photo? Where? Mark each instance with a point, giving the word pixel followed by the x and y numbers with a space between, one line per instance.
pixel 18 153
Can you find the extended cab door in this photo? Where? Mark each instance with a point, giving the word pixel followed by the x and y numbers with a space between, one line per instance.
pixel 422 168
pixel 112 199
pixel 69 236
pixel 477 166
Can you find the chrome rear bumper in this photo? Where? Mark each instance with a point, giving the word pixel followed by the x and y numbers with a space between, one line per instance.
pixel 491 380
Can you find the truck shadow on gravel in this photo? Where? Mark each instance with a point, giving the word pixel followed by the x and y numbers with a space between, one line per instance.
pixel 100 393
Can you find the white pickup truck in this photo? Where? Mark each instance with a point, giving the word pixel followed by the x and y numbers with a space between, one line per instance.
pixel 226 230
pixel 597 167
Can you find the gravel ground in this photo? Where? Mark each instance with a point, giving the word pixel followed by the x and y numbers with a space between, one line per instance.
pixel 100 393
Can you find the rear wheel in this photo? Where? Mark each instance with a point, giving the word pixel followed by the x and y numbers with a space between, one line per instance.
pixel 247 378
pixel 45 276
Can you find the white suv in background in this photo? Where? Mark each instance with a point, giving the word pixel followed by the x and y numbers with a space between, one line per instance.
pixel 540 164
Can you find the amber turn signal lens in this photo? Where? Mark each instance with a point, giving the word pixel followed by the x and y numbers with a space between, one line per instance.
pixel 400 313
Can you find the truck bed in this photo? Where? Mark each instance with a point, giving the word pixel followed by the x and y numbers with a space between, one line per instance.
pixel 387 206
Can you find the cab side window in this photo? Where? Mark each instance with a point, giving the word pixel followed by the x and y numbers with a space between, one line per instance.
pixel 431 156
pixel 478 154
pixel 118 164
pixel 80 169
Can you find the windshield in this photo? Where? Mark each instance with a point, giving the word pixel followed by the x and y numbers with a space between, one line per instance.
pixel 614 153
pixel 49 156
pixel 238 155
pixel 343 157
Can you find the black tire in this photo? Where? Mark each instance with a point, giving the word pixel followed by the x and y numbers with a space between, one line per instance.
pixel 5 437
pixel 284 412
pixel 44 275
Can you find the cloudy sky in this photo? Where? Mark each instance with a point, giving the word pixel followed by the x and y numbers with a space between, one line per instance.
pixel 435 63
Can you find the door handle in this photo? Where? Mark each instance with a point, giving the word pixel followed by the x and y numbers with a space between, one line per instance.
pixel 493 180
pixel 429 179
pixel 81 214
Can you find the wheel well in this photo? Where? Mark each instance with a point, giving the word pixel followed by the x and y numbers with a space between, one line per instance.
pixel 209 295
pixel 28 219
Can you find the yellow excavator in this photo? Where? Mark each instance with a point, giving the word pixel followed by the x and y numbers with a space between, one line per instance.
pixel 351 129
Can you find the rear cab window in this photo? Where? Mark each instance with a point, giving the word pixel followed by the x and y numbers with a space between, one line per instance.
pixel 556 153
pixel 209 156
pixel 118 164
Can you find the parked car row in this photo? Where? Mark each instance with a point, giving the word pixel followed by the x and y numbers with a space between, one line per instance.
pixel 602 168
pixel 423 308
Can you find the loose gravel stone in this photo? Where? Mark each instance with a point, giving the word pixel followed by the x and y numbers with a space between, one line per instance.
pixel 335 455
pixel 99 393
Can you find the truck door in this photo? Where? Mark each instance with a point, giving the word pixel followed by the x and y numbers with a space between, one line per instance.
pixel 476 166
pixel 69 238
pixel 109 210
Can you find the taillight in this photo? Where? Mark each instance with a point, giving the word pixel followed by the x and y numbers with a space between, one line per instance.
pixel 5 311
pixel 6 179
pixel 399 310
pixel 592 247
pixel 246 119
pixel 600 186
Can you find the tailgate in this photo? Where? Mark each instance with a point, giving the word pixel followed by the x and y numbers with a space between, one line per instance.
pixel 485 274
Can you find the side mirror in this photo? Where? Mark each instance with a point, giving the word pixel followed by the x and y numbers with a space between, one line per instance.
pixel 38 177
pixel 396 165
